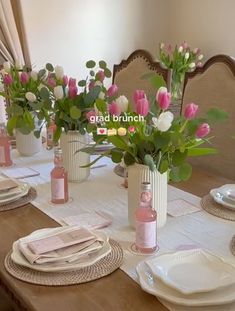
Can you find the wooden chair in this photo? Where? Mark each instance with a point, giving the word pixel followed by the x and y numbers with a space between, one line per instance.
pixel 127 75
pixel 213 85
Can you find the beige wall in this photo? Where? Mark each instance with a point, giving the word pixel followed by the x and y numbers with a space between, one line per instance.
pixel 69 32
pixel 208 24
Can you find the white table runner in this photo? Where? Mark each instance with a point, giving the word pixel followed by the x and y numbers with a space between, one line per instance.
pixel 103 191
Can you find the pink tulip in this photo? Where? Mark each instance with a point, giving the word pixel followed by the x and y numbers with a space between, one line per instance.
pixel 24 77
pixel 184 45
pixel 72 82
pixel 73 90
pixel 203 130
pixel 190 111
pixel 138 94
pixel 101 75
pixel 7 79
pixel 91 115
pixel 196 51
pixel 199 65
pixel 142 107
pixel 114 109
pixel 112 90
pixel 163 98
pixel 65 80
pixel 51 82
pixel 169 49
pixel 131 129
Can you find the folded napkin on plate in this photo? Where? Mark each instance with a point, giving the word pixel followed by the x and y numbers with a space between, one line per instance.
pixel 66 254
pixel 7 184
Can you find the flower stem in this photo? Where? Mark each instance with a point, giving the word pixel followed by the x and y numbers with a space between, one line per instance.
pixel 183 126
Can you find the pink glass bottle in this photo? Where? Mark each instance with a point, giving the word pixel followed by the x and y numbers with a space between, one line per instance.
pixel 50 134
pixel 59 180
pixel 146 222
pixel 5 147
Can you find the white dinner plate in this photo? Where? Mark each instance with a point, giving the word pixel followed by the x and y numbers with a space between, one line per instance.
pixel 220 198
pixel 19 259
pixel 192 271
pixel 228 191
pixel 156 287
pixel 22 190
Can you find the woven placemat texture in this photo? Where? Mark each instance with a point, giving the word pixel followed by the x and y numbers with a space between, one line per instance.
pixel 232 245
pixel 101 268
pixel 209 205
pixel 30 196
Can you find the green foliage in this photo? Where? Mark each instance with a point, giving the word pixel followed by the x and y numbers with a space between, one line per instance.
pixel 102 64
pixel 82 83
pixel 90 97
pixel 75 113
pixel 116 155
pixel 217 115
pixel 90 64
pixel 148 160
pixel 157 81
pixel 49 67
pixel 107 73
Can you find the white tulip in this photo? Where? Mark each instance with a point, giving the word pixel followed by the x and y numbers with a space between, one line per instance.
pixel 192 65
pixel 162 45
pixel 164 121
pixel 30 96
pixel 58 92
pixel 98 83
pixel 18 64
pixel 200 57
pixel 180 49
pixel 186 56
pixel 7 66
pixel 101 95
pixel 34 75
pixel 59 72
pixel 122 102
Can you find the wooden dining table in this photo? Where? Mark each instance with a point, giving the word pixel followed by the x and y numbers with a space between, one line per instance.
pixel 113 292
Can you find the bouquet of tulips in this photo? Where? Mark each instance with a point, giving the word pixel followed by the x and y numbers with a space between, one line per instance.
pixel 28 97
pixel 74 107
pixel 180 60
pixel 158 140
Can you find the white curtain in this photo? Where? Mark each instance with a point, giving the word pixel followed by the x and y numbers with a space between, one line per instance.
pixel 13 43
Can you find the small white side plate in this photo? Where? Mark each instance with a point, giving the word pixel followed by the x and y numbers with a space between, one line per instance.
pixel 192 271
pixel 23 189
pixel 220 198
pixel 156 287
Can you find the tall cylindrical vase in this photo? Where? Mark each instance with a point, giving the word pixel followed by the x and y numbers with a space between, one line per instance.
pixel 28 144
pixel 71 142
pixel 137 174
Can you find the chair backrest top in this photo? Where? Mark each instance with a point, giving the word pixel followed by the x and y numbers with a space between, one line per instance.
pixel 147 57
pixel 213 85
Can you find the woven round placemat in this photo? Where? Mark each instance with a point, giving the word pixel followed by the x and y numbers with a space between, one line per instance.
pixel 209 205
pixel 232 245
pixel 101 268
pixel 30 196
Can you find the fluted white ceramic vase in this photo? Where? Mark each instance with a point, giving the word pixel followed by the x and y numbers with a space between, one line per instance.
pixel 70 142
pixel 137 174
pixel 28 145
